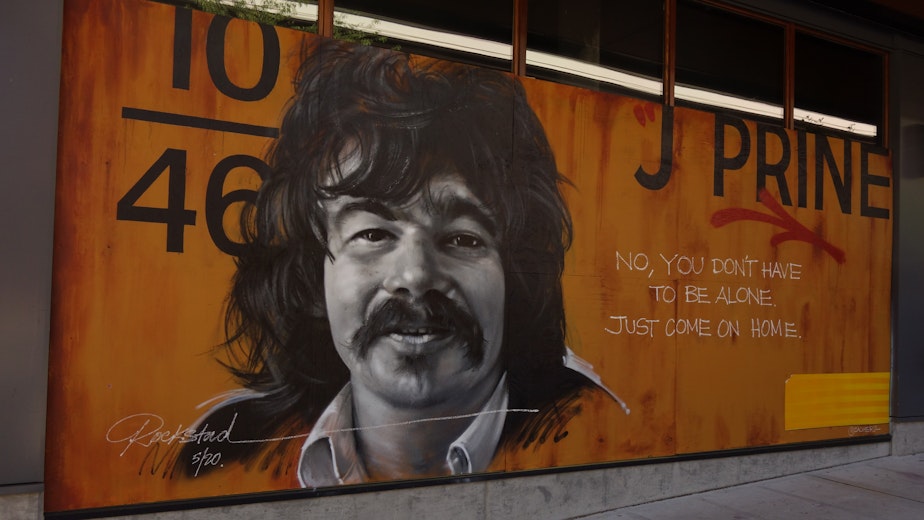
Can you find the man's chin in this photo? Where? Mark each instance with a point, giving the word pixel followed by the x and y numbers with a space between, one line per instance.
pixel 420 380
pixel 413 390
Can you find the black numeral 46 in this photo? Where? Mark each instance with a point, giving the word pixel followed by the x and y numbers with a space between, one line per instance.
pixel 175 214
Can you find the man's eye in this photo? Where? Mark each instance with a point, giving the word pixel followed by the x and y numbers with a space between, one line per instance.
pixel 465 241
pixel 372 235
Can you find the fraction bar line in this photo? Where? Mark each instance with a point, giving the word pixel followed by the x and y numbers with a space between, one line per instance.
pixel 168 118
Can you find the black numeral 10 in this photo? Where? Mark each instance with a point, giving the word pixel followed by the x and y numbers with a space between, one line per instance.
pixel 215 57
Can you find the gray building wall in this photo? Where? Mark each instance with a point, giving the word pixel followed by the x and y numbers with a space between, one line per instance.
pixel 30 39
pixel 30 58
pixel 908 284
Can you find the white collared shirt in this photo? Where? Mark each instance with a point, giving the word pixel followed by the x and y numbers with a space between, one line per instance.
pixel 329 455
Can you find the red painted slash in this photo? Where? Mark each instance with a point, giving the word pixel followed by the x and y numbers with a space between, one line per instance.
pixel 794 229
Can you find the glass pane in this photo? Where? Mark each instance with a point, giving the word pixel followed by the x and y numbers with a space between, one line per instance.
pixel 590 42
pixel 837 81
pixel 727 53
pixel 295 14
pixel 299 14
pixel 476 31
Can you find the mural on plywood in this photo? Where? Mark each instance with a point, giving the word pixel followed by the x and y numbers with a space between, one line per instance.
pixel 284 262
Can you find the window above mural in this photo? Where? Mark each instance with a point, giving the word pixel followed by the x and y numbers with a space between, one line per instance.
pixel 729 60
pixel 478 32
pixel 690 52
pixel 597 44
pixel 838 86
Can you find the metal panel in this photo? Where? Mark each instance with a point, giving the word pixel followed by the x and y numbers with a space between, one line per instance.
pixel 908 284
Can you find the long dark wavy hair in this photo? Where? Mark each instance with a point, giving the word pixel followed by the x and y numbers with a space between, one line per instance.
pixel 409 118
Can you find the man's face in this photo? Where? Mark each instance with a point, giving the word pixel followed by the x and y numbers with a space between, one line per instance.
pixel 415 295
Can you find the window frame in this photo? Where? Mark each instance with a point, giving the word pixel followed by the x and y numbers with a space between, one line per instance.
pixel 668 95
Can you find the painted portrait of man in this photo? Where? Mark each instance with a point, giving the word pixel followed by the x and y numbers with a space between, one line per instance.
pixel 397 309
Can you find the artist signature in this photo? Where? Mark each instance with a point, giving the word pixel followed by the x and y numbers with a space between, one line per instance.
pixel 860 430
pixel 148 429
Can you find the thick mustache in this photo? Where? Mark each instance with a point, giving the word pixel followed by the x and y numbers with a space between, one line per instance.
pixel 433 311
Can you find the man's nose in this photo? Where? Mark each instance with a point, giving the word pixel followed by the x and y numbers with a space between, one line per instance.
pixel 416 268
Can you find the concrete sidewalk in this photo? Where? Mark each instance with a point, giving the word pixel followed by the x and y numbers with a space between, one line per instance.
pixel 884 488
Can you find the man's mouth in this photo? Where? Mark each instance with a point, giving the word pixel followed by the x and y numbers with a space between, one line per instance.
pixel 421 328
pixel 418 335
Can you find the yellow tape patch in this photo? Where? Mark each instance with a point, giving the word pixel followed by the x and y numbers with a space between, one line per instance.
pixel 819 400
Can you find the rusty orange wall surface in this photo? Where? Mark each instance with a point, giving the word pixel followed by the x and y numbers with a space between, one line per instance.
pixel 135 326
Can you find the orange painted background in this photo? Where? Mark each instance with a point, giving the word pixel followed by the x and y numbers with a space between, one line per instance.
pixel 651 284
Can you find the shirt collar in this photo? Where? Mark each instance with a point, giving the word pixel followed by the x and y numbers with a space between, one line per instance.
pixel 473 450
pixel 329 456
